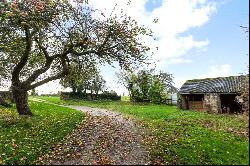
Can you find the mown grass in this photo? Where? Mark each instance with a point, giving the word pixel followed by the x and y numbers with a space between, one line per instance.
pixel 184 137
pixel 23 139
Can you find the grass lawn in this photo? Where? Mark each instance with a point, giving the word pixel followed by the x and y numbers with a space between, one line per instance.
pixel 23 139
pixel 184 137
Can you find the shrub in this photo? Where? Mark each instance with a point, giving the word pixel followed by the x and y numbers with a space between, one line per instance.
pixel 147 86
pixel 103 96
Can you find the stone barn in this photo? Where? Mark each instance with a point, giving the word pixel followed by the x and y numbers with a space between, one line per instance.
pixel 213 95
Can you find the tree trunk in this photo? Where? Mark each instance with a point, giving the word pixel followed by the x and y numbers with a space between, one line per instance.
pixel 96 95
pixel 21 100
pixel 91 94
pixel 74 90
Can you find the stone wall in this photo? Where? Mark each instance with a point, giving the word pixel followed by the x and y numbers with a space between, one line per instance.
pixel 212 103
pixel 182 102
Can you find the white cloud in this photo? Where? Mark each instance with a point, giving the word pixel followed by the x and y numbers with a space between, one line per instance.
pixel 178 82
pixel 217 71
pixel 178 61
pixel 176 47
pixel 213 72
pixel 176 17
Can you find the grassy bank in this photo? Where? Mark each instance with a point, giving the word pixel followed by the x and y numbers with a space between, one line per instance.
pixel 23 139
pixel 184 137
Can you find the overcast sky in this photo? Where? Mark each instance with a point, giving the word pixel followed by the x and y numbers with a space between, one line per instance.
pixel 196 38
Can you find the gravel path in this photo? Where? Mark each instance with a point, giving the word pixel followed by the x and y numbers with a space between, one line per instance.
pixel 104 137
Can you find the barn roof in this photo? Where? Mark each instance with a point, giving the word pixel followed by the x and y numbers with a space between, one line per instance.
pixel 230 84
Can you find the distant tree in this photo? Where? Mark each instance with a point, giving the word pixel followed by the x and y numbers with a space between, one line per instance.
pixel 79 77
pixel 167 81
pixel 156 91
pixel 127 78
pixel 39 40
pixel 84 78
pixel 146 86
pixel 97 84
pixel 33 92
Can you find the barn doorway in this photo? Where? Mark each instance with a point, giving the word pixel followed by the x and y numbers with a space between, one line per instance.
pixel 195 101
pixel 229 104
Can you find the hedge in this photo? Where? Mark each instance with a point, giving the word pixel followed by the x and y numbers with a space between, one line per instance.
pixel 88 96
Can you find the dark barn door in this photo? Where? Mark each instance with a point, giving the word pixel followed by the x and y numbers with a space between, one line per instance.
pixel 229 104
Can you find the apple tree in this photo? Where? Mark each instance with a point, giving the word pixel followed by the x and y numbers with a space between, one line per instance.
pixel 41 39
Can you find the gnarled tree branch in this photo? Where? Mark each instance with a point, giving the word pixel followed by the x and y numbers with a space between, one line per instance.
pixel 64 72
pixel 24 58
pixel 42 70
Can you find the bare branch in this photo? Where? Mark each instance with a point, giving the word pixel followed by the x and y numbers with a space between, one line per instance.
pixel 43 49
pixel 84 52
pixel 42 70
pixel 58 76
